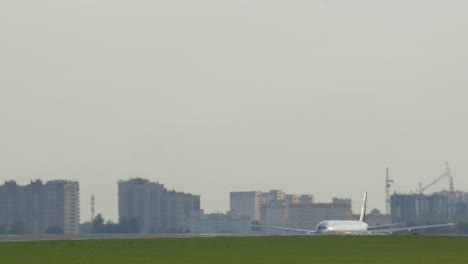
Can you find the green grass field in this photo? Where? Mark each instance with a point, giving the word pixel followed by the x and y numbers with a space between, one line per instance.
pixel 275 249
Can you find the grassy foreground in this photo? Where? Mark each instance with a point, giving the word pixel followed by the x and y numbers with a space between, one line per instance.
pixel 275 249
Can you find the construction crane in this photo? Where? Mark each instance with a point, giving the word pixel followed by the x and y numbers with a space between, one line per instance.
pixel 388 184
pixel 446 174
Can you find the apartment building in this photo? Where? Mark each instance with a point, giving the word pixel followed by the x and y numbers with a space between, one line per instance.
pixel 39 206
pixel 157 209
pixel 438 207
pixel 250 203
pixel 246 203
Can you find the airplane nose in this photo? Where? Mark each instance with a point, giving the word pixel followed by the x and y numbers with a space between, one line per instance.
pixel 322 229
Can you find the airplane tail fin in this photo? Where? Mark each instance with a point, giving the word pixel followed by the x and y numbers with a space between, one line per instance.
pixel 362 218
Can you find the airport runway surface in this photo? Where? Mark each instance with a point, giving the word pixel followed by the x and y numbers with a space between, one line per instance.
pixel 29 237
pixel 6 238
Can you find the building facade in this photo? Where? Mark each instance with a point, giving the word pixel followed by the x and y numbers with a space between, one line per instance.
pixel 276 208
pixel 229 223
pixel 376 218
pixel 246 203
pixel 307 216
pixel 274 215
pixel 156 209
pixel 250 203
pixel 435 208
pixel 39 206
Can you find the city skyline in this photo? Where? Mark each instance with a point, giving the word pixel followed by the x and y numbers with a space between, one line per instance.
pixel 354 205
pixel 211 96
pixel 149 207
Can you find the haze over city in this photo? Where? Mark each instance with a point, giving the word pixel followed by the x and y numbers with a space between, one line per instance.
pixel 209 97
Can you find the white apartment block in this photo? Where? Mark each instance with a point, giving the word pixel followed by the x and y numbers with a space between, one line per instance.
pixel 71 223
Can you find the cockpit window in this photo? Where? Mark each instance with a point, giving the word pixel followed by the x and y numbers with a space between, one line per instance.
pixel 322 227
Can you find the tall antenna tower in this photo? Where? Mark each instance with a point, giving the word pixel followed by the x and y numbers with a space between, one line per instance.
pixel 449 175
pixel 92 207
pixel 388 184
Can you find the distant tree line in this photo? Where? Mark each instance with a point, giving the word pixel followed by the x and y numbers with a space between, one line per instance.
pixel 19 228
pixel 16 228
pixel 99 225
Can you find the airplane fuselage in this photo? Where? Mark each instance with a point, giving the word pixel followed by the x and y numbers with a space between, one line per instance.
pixel 341 227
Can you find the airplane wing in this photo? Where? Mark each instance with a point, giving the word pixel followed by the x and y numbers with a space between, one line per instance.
pixel 409 229
pixel 300 231
pixel 378 226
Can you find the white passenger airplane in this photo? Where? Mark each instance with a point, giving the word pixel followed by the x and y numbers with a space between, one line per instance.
pixel 350 227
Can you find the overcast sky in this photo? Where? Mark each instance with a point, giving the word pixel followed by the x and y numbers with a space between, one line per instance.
pixel 213 96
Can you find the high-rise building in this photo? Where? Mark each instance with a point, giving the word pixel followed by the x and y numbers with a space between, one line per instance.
pixel 39 206
pixel 272 196
pixel 180 206
pixel 306 199
pixel 292 198
pixel 143 200
pixel 341 201
pixel 71 207
pixel 421 209
pixel 246 203
pixel 250 203
pixel 155 208
pixel 274 215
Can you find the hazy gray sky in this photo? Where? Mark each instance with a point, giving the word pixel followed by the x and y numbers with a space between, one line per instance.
pixel 213 96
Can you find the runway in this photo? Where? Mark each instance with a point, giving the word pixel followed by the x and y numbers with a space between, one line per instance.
pixel 45 237
pixel 7 238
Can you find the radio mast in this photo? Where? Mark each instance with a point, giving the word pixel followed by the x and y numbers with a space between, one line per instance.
pixel 92 207
pixel 388 184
